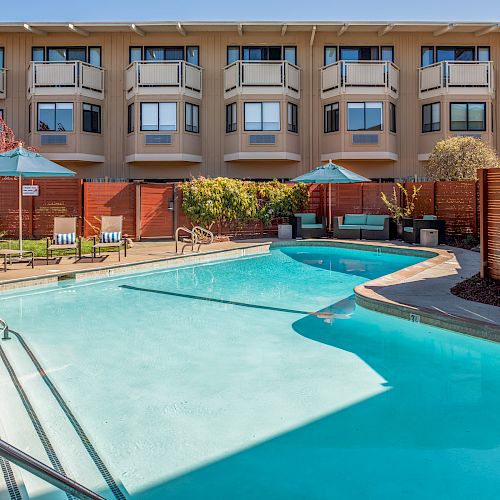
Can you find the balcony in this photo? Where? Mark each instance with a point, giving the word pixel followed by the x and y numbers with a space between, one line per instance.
pixel 359 77
pixel 456 77
pixel 65 78
pixel 3 80
pixel 261 77
pixel 163 78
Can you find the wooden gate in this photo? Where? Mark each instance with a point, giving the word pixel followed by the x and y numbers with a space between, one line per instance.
pixel 157 214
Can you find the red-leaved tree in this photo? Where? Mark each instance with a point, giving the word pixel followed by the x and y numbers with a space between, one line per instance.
pixel 8 140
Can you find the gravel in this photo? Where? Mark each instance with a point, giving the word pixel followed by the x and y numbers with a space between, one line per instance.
pixel 486 291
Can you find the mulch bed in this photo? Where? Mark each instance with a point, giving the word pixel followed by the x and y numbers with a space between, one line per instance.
pixel 486 291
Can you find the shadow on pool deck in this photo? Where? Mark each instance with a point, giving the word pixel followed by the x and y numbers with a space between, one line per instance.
pixel 432 433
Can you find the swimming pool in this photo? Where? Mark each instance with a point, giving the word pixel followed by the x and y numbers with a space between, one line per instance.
pixel 260 377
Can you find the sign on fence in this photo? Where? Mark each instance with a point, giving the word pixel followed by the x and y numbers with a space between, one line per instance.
pixel 31 190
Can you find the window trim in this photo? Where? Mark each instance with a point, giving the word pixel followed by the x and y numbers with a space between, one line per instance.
pixel 197 131
pixel 291 106
pixel 431 104
pixel 158 121
pixel 467 118
pixel 99 131
pixel 261 116
pixel 364 129
pixel 56 131
pixel 232 126
pixel 335 123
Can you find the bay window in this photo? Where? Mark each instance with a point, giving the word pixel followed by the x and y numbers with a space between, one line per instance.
pixel 55 117
pixel 192 118
pixel 331 117
pixel 364 116
pixel 468 116
pixel 91 118
pixel 431 117
pixel 231 118
pixel 293 119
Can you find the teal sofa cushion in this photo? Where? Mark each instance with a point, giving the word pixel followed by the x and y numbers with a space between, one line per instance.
pixel 376 220
pixel 355 219
pixel 312 226
pixel 408 229
pixel 430 217
pixel 373 228
pixel 307 218
pixel 351 226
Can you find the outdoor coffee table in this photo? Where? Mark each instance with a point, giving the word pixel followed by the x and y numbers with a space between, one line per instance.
pixel 9 253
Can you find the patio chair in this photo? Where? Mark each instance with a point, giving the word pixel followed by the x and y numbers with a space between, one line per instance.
pixel 64 237
pixel 412 227
pixel 307 225
pixel 111 236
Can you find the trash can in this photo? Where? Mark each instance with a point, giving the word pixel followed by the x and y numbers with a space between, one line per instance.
pixel 429 237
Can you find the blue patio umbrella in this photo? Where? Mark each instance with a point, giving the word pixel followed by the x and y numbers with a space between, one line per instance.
pixel 22 163
pixel 330 173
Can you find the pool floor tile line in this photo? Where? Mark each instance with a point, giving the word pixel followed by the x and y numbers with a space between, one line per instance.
pixel 89 447
pixel 10 480
pixel 47 445
pixel 220 301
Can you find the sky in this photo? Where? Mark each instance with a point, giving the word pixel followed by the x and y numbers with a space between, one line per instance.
pixel 263 10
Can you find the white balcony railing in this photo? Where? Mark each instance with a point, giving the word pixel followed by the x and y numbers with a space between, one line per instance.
pixel 163 77
pixel 456 77
pixel 65 77
pixel 3 80
pixel 261 77
pixel 360 77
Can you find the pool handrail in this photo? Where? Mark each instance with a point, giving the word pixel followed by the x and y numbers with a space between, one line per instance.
pixel 4 328
pixel 39 469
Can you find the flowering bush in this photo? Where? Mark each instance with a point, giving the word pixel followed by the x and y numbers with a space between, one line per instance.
pixel 459 158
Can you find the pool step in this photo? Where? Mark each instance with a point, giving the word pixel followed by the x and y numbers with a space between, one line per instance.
pixel 20 431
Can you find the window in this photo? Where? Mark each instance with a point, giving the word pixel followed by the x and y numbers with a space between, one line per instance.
pixel 38 54
pixel 134 54
pixel 468 116
pixel 92 55
pixel 262 116
pixel 29 119
pixel 192 118
pixel 293 119
pixel 2 61
pixel 454 54
pixel 431 117
pixel 131 118
pixel 95 56
pixel 259 53
pixel 55 117
pixel 158 116
pixel 1 113
pixel 233 54
pixel 427 56
pixel 392 117
pixel 164 53
pixel 91 118
pixel 290 54
pixel 331 118
pixel 231 118
pixel 359 53
pixel 387 54
pixel 364 116
pixel 483 54
pixel 193 55
pixel 330 55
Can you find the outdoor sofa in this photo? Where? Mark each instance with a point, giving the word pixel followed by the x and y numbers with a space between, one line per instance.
pixel 362 226
pixel 307 225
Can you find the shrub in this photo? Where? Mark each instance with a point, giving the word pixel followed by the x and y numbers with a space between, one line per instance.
pixel 459 158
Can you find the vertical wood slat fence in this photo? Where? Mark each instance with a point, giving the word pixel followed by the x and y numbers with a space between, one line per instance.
pixel 454 201
pixel 489 192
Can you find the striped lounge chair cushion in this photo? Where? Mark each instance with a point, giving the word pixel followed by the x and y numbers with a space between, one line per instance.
pixel 114 237
pixel 65 239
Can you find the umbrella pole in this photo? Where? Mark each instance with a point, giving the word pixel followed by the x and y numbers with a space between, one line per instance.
pixel 329 207
pixel 20 186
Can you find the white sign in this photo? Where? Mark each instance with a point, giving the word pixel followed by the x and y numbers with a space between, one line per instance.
pixel 31 190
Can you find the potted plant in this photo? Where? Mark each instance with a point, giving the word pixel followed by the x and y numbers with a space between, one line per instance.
pixel 400 210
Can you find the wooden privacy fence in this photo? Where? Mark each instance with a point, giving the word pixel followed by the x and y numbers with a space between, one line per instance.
pixel 489 192
pixel 454 201
pixel 155 209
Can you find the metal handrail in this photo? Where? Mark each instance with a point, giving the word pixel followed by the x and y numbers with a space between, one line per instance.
pixel 39 469
pixel 4 328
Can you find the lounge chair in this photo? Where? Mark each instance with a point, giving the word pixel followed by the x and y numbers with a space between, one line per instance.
pixel 64 237
pixel 412 227
pixel 111 235
pixel 306 225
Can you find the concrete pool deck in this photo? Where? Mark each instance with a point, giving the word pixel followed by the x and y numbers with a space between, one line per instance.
pixel 418 293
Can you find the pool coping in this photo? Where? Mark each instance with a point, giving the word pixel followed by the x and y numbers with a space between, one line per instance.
pixel 140 266
pixel 367 296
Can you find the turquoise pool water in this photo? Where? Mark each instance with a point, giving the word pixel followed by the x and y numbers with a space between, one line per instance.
pixel 260 378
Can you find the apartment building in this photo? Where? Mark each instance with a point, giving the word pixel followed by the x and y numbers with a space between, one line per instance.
pixel 256 100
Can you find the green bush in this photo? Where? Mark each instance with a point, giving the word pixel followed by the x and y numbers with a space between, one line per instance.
pixel 209 202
